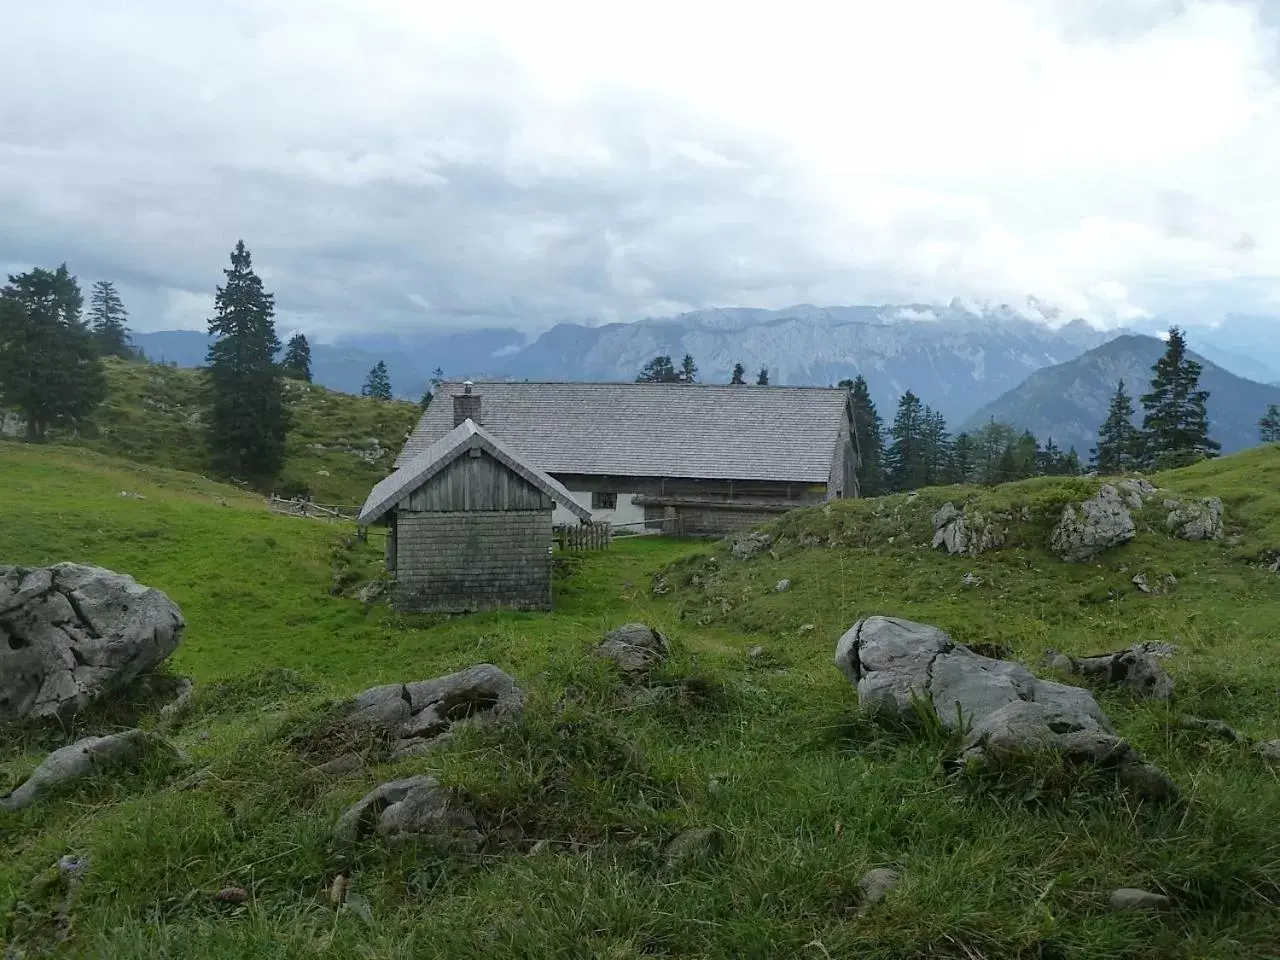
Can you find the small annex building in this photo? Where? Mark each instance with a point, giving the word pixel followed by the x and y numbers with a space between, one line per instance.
pixel 469 526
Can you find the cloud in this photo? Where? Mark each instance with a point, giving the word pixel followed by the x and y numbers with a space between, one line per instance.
pixel 393 168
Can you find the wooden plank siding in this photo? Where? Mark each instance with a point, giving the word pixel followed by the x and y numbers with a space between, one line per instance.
pixel 456 562
pixel 476 483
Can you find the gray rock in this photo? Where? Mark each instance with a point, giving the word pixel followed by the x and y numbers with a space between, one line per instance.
pixel 749 545
pixel 1102 522
pixel 964 531
pixel 1137 667
pixel 756 653
pixel 971 579
pixel 1008 711
pixel 72 634
pixel 782 586
pixel 371 591
pixel 1268 750
pixel 1136 491
pixel 1140 581
pixel 86 758
pixel 1170 504
pixel 691 846
pixel 635 648
pixel 876 884
pixel 1215 728
pixel 175 711
pixel 417 808
pixel 1131 898
pixel 423 711
pixel 1197 520
pixel 342 766
pixel 661 586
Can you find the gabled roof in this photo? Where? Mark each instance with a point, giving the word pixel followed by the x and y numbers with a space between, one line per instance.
pixel 435 457
pixel 786 434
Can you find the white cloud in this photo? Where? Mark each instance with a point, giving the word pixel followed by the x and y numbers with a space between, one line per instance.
pixel 390 166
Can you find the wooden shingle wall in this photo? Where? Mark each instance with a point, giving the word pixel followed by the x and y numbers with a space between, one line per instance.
pixel 457 562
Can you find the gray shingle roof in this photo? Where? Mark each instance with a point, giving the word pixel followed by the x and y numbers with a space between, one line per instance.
pixel 436 456
pixel 784 434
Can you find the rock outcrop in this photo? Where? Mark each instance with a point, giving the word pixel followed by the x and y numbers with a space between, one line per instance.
pixel 416 809
pixel 86 758
pixel 1008 712
pixel 424 712
pixel 635 648
pixel 1101 522
pixel 71 634
pixel 1137 491
pixel 1137 667
pixel 964 531
pixel 750 544
pixel 1196 519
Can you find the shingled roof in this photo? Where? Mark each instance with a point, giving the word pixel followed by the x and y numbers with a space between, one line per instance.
pixel 787 434
pixel 436 456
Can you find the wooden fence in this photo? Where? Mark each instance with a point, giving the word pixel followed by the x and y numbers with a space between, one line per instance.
pixel 585 536
pixel 317 511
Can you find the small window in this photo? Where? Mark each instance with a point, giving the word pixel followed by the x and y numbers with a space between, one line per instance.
pixel 604 501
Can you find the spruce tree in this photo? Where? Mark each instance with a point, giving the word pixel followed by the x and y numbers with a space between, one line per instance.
pixel 739 375
pixel 297 358
pixel 904 460
pixel 377 384
pixel 1049 459
pixel 1176 424
pixel 868 428
pixel 248 420
pixel 1269 425
pixel 49 366
pixel 961 467
pixel 762 378
pixel 1119 446
pixel 107 316
pixel 688 370
pixel 1071 464
pixel 936 448
pixel 658 370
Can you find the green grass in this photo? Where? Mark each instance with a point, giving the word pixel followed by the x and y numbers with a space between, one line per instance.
pixel 806 792
pixel 339 447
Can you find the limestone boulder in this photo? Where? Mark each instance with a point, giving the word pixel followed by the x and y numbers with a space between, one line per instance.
pixel 413 809
pixel 1007 712
pixel 749 545
pixel 72 634
pixel 1138 668
pixel 418 713
pixel 635 647
pixel 86 758
pixel 1097 525
pixel 1196 519
pixel 965 531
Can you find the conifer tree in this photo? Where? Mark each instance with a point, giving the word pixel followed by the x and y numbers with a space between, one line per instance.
pixel 1269 425
pixel 1176 424
pixel 688 370
pixel 962 459
pixel 297 358
pixel 248 420
pixel 658 370
pixel 868 428
pixel 377 384
pixel 935 448
pixel 904 460
pixel 49 366
pixel 1071 464
pixel 107 316
pixel 762 378
pixel 1119 443
pixel 739 375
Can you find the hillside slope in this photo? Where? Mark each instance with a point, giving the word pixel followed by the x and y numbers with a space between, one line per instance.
pixel 339 447
pixel 804 793
pixel 1068 402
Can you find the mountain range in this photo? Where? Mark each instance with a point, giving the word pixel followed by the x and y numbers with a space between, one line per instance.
pixel 959 357
pixel 1068 401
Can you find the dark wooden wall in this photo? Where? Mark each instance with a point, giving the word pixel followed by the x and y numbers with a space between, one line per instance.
pixel 477 483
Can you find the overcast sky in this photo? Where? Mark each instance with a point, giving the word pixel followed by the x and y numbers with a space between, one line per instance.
pixel 388 168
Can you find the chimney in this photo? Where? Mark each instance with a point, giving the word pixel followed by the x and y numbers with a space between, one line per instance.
pixel 466 405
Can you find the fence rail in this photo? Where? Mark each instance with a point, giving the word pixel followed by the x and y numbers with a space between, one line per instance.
pixel 317 511
pixel 586 536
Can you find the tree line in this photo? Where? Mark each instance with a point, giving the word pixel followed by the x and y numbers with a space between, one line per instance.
pixel 661 370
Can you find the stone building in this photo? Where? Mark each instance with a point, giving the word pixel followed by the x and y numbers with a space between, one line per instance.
pixel 699 458
pixel 469 525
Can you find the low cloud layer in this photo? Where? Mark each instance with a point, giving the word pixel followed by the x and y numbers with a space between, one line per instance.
pixel 390 169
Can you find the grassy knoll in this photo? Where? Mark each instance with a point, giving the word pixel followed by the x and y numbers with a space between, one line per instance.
pixel 339 447
pixel 770 750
